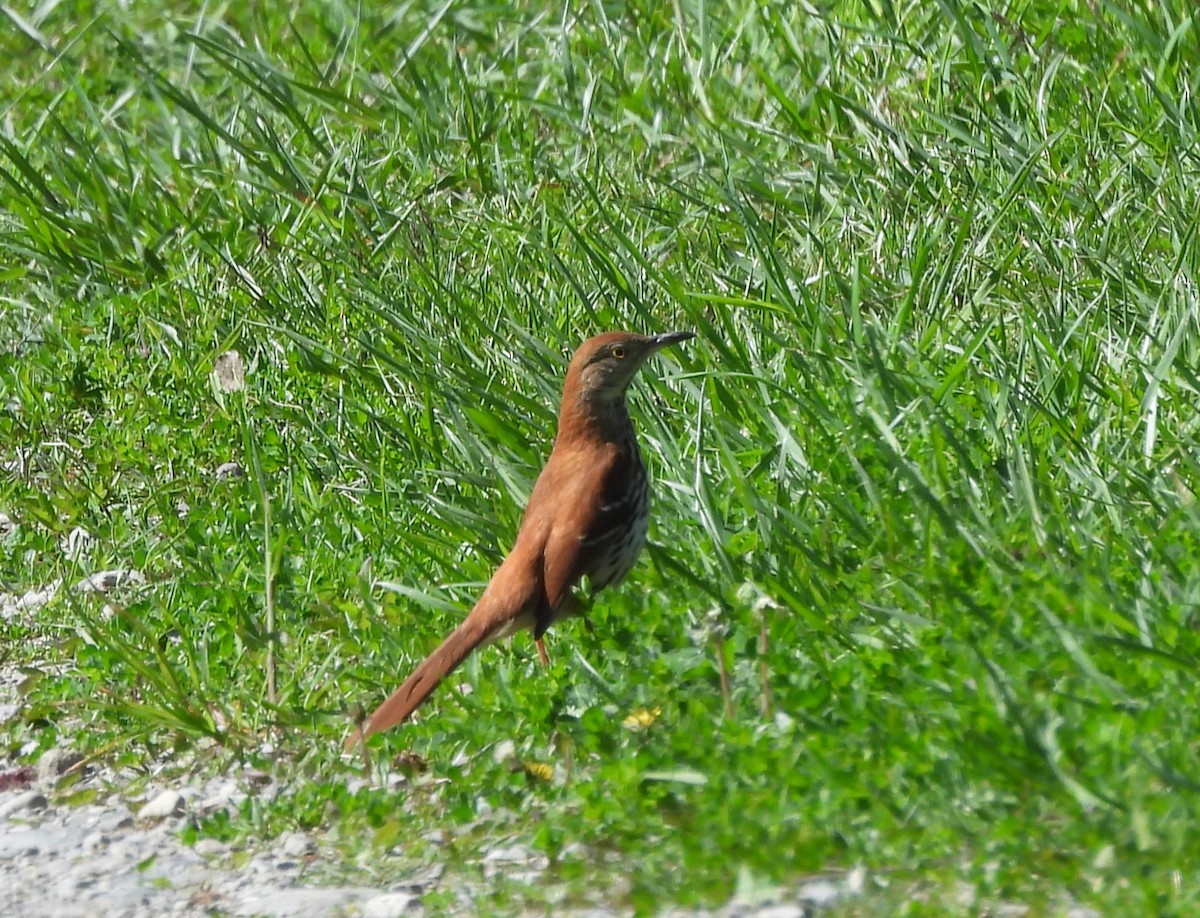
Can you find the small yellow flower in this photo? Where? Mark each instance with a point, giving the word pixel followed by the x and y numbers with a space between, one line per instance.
pixel 641 718
pixel 539 770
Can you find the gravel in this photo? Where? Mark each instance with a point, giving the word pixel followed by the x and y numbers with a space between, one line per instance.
pixel 101 859
pixel 113 859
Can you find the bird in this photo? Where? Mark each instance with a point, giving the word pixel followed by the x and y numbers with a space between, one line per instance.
pixel 587 516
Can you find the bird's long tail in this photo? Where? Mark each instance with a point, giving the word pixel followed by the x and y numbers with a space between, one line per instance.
pixel 499 613
pixel 424 679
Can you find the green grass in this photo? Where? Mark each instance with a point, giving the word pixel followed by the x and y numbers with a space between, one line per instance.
pixel 924 481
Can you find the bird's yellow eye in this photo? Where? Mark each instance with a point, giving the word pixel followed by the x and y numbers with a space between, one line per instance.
pixel 618 352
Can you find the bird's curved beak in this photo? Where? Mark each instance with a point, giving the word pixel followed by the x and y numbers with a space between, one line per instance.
pixel 674 337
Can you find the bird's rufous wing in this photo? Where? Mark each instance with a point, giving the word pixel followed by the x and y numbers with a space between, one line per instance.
pixel 531 585
pixel 580 482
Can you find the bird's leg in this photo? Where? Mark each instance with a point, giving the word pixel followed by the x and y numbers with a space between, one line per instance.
pixel 571 607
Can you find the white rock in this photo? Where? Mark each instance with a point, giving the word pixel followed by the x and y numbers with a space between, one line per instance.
pixel 55 763
pixel 260 865
pixel 210 847
pixel 219 794
pixel 821 893
pixel 257 778
pixel 513 854
pixel 778 911
pixel 168 803
pixel 227 470
pixel 27 802
pixel 103 581
pixel 11 606
pixel 517 863
pixel 389 905
pixel 296 844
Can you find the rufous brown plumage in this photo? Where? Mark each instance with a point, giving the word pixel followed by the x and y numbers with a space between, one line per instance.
pixel 587 517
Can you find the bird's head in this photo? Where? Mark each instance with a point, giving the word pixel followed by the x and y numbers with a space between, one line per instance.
pixel 603 366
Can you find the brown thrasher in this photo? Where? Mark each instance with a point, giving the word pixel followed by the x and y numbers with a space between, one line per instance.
pixel 587 517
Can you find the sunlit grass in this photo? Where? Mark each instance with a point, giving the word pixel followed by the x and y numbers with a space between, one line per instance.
pixel 919 594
